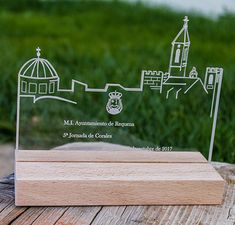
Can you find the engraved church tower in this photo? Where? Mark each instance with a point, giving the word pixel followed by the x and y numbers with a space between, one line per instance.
pixel 179 52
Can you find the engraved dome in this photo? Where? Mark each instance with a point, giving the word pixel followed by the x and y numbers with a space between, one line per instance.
pixel 38 68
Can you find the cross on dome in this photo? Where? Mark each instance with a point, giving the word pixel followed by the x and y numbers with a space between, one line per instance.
pixel 38 52
pixel 186 21
pixel 38 68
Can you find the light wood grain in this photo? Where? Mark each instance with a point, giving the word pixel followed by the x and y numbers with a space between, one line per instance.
pixel 130 215
pixel 118 193
pixel 40 183
pixel 53 171
pixel 115 177
pixel 108 156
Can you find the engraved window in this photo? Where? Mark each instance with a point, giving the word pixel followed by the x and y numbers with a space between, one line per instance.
pixel 185 54
pixel 42 88
pixel 177 55
pixel 211 79
pixel 23 86
pixel 32 88
pixel 52 87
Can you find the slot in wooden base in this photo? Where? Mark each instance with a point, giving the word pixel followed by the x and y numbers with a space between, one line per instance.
pixel 50 178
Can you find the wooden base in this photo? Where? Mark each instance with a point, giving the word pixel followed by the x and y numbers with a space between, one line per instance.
pixel 51 178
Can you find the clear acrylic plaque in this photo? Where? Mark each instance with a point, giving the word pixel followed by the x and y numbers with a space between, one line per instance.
pixel 150 111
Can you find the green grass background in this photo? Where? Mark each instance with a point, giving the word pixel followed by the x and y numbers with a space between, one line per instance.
pixel 112 40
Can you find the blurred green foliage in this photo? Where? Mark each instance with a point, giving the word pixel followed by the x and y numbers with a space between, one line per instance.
pixel 101 42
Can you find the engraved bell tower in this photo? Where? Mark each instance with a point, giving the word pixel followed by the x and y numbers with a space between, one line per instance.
pixel 179 52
